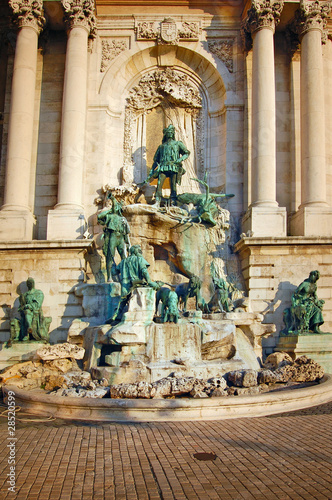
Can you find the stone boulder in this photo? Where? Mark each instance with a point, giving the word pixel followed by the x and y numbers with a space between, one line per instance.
pixel 243 378
pixel 303 369
pixel 277 359
pixel 59 351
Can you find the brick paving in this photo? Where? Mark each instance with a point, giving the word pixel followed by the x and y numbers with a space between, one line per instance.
pixel 282 457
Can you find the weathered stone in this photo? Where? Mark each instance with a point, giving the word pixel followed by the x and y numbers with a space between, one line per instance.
pixel 182 385
pixel 219 349
pixel 61 365
pixel 244 391
pixel 53 382
pixel 243 378
pixel 162 387
pixel 144 390
pixel 124 391
pixel 59 351
pixel 277 359
pixel 197 394
pixel 268 377
pixel 303 370
pixel 77 378
pixel 218 382
pixel 218 392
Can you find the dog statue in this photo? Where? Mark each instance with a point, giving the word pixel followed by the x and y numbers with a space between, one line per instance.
pixel 169 310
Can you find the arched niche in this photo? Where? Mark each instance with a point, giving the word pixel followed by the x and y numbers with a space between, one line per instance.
pixel 143 93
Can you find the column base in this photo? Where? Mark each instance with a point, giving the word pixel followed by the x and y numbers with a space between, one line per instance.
pixel 16 225
pixel 312 221
pixel 265 221
pixel 65 224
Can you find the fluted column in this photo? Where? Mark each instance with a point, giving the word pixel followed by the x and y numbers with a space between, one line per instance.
pixel 314 215
pixel 66 221
pixel 264 217
pixel 16 218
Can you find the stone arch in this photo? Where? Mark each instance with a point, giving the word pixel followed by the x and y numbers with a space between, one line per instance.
pixel 210 77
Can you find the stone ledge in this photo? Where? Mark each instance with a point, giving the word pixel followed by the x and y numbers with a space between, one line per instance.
pixel 46 244
pixel 287 240
pixel 163 410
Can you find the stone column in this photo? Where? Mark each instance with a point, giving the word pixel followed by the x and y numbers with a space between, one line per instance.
pixel 16 218
pixel 314 217
pixel 264 217
pixel 66 220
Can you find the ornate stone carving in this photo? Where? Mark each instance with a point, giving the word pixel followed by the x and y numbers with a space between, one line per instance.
pixel 262 14
pixel 311 15
pixel 223 49
pixel 28 13
pixel 111 49
pixel 153 87
pixel 167 31
pixel 80 13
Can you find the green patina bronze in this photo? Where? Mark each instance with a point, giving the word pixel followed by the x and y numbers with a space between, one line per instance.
pixel 32 325
pixel 305 314
pixel 116 234
pixel 133 272
pixel 167 163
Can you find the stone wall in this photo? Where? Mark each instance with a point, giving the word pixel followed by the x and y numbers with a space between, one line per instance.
pixel 57 269
pixel 274 267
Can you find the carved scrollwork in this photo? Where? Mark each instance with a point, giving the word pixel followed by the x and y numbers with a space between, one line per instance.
pixel 311 15
pixel 153 88
pixel 223 49
pixel 189 31
pixel 80 13
pixel 28 13
pixel 262 14
pixel 111 49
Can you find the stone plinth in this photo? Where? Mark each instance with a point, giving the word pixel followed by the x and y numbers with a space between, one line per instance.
pixel 316 346
pixel 265 221
pixel 19 352
pixel 312 221
pixel 168 341
pixel 99 300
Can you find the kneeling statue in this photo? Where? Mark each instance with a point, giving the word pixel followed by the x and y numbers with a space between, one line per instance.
pixel 305 313
pixel 33 325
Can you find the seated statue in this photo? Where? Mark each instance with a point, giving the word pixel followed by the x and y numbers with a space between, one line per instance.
pixel 133 272
pixel 305 313
pixel 32 325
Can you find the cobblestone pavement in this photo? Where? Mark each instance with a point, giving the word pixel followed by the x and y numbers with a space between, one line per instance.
pixel 287 456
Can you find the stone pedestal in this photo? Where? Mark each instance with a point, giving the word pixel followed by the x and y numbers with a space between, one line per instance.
pixel 316 346
pixel 65 224
pixel 169 341
pixel 99 302
pixel 16 225
pixel 265 221
pixel 312 221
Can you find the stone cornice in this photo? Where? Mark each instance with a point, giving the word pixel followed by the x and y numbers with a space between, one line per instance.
pixel 262 14
pixel 28 13
pixel 80 13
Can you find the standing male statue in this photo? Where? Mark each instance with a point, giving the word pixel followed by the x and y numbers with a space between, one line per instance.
pixel 116 234
pixel 167 162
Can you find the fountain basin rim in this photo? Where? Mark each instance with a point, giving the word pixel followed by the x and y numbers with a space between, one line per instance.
pixel 162 410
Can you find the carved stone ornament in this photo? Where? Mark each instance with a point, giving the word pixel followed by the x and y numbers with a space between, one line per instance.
pixel 262 14
pixel 311 15
pixel 223 49
pixel 80 13
pixel 28 13
pixel 111 49
pixel 168 31
pixel 153 88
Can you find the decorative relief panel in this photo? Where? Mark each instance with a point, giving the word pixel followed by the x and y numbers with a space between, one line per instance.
pixel 110 49
pixel 168 31
pixel 223 49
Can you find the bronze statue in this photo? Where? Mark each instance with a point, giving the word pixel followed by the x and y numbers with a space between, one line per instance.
pixel 116 234
pixel 33 325
pixel 133 272
pixel 305 314
pixel 220 300
pixel 167 162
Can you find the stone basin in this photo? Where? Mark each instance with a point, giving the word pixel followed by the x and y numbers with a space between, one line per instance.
pixel 183 409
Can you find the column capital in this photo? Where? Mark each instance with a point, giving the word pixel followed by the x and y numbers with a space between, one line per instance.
pixel 28 13
pixel 312 15
pixel 80 13
pixel 262 14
